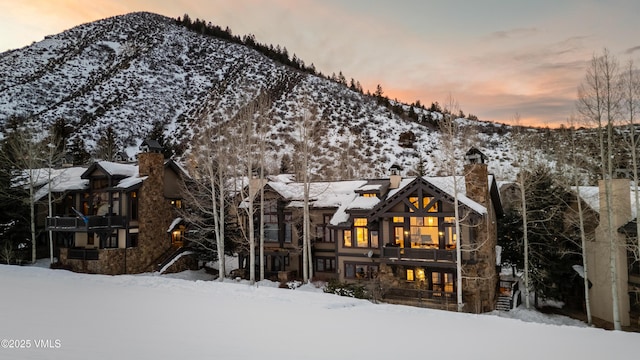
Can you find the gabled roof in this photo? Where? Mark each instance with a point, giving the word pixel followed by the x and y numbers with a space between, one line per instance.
pixel 77 178
pixel 443 186
pixel 112 169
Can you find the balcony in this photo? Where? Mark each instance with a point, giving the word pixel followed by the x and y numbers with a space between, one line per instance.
pixel 89 223
pixel 438 255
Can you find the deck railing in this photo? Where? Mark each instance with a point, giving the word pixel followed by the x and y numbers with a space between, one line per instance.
pixel 58 223
pixel 422 297
pixel 418 254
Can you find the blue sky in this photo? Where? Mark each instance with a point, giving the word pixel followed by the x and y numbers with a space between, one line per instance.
pixel 496 58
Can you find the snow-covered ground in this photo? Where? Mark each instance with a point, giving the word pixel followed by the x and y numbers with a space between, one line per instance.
pixel 185 316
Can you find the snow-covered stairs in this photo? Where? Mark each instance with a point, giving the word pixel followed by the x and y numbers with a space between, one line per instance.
pixel 503 303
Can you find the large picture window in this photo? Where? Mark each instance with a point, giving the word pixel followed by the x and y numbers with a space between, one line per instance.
pixel 424 232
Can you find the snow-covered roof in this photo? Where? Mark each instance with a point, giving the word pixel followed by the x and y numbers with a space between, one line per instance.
pixel 591 196
pixel 370 187
pixel 343 195
pixel 174 223
pixel 363 203
pixel 341 215
pixel 113 168
pixel 129 182
pixel 62 180
pixel 446 184
pixel 321 194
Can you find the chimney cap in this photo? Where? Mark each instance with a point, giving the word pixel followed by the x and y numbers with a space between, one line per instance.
pixel 152 146
pixel 395 169
pixel 475 156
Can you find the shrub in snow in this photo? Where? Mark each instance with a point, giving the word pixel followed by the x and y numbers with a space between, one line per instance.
pixel 346 289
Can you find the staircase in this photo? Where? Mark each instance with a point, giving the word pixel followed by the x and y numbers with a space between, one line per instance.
pixel 504 303
pixel 170 255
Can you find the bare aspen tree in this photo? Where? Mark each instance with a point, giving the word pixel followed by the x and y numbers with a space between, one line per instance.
pixel 53 156
pixel 631 103
pixel 599 104
pixel 521 145
pixel 449 134
pixel 246 147
pixel 455 141
pixel 204 192
pixel 262 144
pixel 580 213
pixel 305 139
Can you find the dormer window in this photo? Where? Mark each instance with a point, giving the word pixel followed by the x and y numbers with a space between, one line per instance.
pixel 369 195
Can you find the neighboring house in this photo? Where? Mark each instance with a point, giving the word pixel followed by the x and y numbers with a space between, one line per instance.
pixel 118 218
pixel 599 253
pixel 396 233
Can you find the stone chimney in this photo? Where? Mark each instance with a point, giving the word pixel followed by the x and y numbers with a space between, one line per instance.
pixel 394 176
pixel 476 177
pixel 155 212
pixel 599 253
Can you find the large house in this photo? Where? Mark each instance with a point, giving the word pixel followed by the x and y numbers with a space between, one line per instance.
pixel 118 218
pixel 398 233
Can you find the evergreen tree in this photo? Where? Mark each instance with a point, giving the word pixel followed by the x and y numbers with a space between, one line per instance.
pixel 78 152
pixel 553 248
pixel 108 146
pixel 285 164
pixel 157 133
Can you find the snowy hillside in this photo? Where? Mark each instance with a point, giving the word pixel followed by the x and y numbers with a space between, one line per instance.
pixel 141 71
pixel 82 316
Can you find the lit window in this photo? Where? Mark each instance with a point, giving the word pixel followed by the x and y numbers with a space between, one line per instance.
pixel 425 203
pixel 424 232
pixel 398 219
pixel 360 222
pixel 420 274
pixel 374 239
pixel 362 233
pixel 448 282
pixel 347 238
pixel 369 195
pixel 410 275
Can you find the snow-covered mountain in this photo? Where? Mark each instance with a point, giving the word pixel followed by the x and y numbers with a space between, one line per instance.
pixel 141 71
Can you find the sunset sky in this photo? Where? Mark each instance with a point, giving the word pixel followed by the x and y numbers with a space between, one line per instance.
pixel 496 58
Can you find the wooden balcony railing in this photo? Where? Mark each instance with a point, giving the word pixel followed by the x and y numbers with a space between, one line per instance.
pixel 399 253
pixel 88 223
